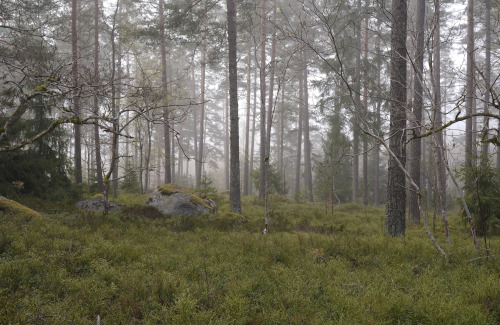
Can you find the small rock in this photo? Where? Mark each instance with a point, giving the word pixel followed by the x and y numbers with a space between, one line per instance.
pixel 96 203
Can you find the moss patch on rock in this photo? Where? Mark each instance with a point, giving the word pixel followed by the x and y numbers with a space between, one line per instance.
pixel 12 207
pixel 169 189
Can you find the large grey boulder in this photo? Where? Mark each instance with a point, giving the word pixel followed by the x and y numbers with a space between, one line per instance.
pixel 96 203
pixel 171 199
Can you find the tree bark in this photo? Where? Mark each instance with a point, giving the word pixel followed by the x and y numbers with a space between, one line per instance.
pixel 164 87
pixel 97 140
pixel 416 145
pixel 254 115
pixel 202 109
pixel 357 111
pixel 234 193
pixel 487 79
pixel 246 167
pixel 394 224
pixel 307 142
pixel 470 83
pixel 365 106
pixel 226 138
pixel 299 136
pixel 262 182
pixel 76 98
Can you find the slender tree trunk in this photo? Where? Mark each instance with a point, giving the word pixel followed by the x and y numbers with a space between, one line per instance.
pixel 164 86
pixel 307 141
pixel 394 224
pixel 487 80
pixel 270 104
pixel 195 124
pixel 97 140
pixel 281 139
pixel 76 98
pixel 376 162
pixel 414 168
pixel 226 138
pixel 114 113
pixel 262 182
pixel 299 137
pixel 357 111
pixel 202 110
pixel 254 115
pixel 469 92
pixel 171 115
pixel 234 194
pixel 365 107
pixel 246 167
pixel 117 107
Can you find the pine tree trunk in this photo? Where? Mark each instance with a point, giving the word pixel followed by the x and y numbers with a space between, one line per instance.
pixel 307 142
pixel 394 224
pixel 376 197
pixel 357 111
pixel 470 83
pixel 299 137
pixel 254 114
pixel 164 86
pixel 246 167
pixel 97 140
pixel 365 107
pixel 487 80
pixel 262 181
pixel 234 194
pixel 76 99
pixel 202 110
pixel 414 168
pixel 226 138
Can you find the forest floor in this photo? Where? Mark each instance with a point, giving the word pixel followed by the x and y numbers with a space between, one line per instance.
pixel 135 267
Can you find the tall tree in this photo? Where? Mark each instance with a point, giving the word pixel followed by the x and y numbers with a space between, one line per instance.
pixel 357 111
pixel 365 105
pixel 97 139
pixel 234 196
pixel 164 86
pixel 469 91
pixel 246 166
pixel 438 119
pixel 394 224
pixel 262 179
pixel 199 161
pixel 307 141
pixel 298 159
pixel 76 92
pixel 416 145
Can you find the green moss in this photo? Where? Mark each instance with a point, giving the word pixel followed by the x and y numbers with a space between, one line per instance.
pixel 11 207
pixel 169 189
pixel 98 195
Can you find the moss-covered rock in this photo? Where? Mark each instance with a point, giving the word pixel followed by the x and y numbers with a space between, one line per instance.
pixel 16 209
pixel 173 199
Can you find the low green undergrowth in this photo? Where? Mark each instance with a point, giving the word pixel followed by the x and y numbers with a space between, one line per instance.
pixel 313 268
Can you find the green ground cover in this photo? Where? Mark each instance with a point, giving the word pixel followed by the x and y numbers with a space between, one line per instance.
pixel 135 267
